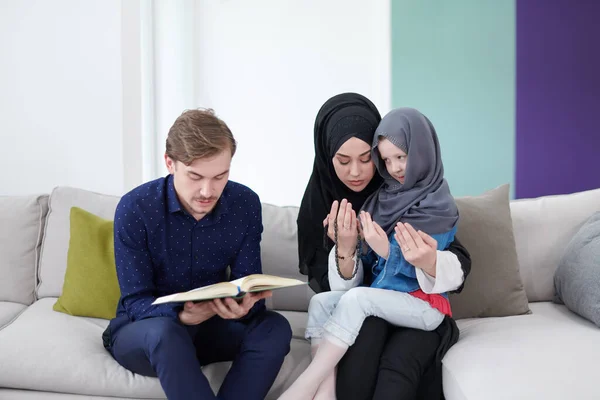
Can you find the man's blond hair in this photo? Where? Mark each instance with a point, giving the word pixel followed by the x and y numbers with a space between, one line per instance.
pixel 198 134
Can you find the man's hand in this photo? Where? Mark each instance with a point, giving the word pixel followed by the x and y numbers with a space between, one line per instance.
pixel 375 236
pixel 228 308
pixel 196 313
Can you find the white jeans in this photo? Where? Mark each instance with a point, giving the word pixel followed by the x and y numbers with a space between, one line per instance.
pixel 342 314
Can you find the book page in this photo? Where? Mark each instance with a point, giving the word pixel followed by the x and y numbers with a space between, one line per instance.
pixel 218 290
pixel 261 282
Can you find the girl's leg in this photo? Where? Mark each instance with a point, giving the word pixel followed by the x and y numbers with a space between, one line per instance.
pixel 342 328
pixel 326 390
pixel 400 309
pixel 319 311
pixel 329 353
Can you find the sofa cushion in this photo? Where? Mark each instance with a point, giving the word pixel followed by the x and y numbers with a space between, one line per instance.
pixel 55 244
pixel 543 228
pixel 550 354
pixel 279 254
pixel 23 219
pixel 494 287
pixel 8 312
pixel 51 351
pixel 298 321
pixel 18 394
pixel 91 288
pixel 577 278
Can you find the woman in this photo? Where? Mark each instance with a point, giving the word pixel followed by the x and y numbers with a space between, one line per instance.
pixel 384 362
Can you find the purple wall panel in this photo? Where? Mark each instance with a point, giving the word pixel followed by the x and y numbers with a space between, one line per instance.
pixel 558 97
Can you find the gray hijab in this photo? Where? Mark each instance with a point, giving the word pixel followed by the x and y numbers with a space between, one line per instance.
pixel 424 200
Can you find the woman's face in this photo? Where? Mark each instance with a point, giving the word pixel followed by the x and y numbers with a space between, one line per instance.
pixel 353 165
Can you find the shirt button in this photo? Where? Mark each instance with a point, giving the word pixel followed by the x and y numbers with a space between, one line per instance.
pixel 196 257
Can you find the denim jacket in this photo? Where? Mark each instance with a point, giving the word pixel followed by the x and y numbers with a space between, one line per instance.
pixel 396 273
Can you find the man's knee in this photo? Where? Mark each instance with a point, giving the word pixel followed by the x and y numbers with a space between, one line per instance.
pixel 163 332
pixel 277 330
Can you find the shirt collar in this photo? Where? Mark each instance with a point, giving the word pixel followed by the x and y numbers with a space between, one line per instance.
pixel 172 200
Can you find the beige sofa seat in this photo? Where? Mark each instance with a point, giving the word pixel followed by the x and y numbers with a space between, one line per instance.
pixel 551 354
pixel 50 351
pixel 9 311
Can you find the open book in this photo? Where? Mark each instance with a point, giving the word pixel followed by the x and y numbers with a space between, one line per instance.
pixel 237 288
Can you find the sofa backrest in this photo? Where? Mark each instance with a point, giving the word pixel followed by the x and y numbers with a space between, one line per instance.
pixel 543 228
pixel 279 254
pixel 21 226
pixel 55 245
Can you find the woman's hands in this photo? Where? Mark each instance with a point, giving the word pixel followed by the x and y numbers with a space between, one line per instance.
pixel 347 223
pixel 418 248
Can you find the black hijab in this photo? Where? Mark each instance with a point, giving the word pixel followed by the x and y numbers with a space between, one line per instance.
pixel 342 117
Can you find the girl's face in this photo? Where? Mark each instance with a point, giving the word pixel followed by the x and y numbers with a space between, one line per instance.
pixel 394 158
pixel 353 165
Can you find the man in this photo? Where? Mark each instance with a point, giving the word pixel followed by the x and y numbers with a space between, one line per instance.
pixel 181 232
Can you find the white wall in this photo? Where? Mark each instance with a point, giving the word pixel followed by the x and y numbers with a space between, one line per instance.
pixel 266 67
pixel 60 96
pixel 89 89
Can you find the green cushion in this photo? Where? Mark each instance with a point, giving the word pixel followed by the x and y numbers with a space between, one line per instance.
pixel 91 288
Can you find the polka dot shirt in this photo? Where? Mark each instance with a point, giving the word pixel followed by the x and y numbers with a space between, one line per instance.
pixel 160 249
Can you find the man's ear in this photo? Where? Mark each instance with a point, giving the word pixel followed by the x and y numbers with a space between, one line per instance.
pixel 170 164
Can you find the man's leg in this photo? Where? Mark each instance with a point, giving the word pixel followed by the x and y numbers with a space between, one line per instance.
pixel 257 348
pixel 162 347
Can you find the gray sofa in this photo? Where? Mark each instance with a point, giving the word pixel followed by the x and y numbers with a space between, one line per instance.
pixel 549 354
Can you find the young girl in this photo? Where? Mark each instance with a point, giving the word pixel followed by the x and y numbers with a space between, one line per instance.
pixel 407 155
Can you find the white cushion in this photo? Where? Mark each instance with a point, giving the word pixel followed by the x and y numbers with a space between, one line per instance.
pixel 279 254
pixel 50 351
pixel 21 225
pixel 55 244
pixel 298 321
pixel 543 227
pixel 550 354
pixel 17 394
pixel 8 312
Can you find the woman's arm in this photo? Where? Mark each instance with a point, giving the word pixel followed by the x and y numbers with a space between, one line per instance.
pixel 350 273
pixel 318 278
pixel 464 258
pixel 342 227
